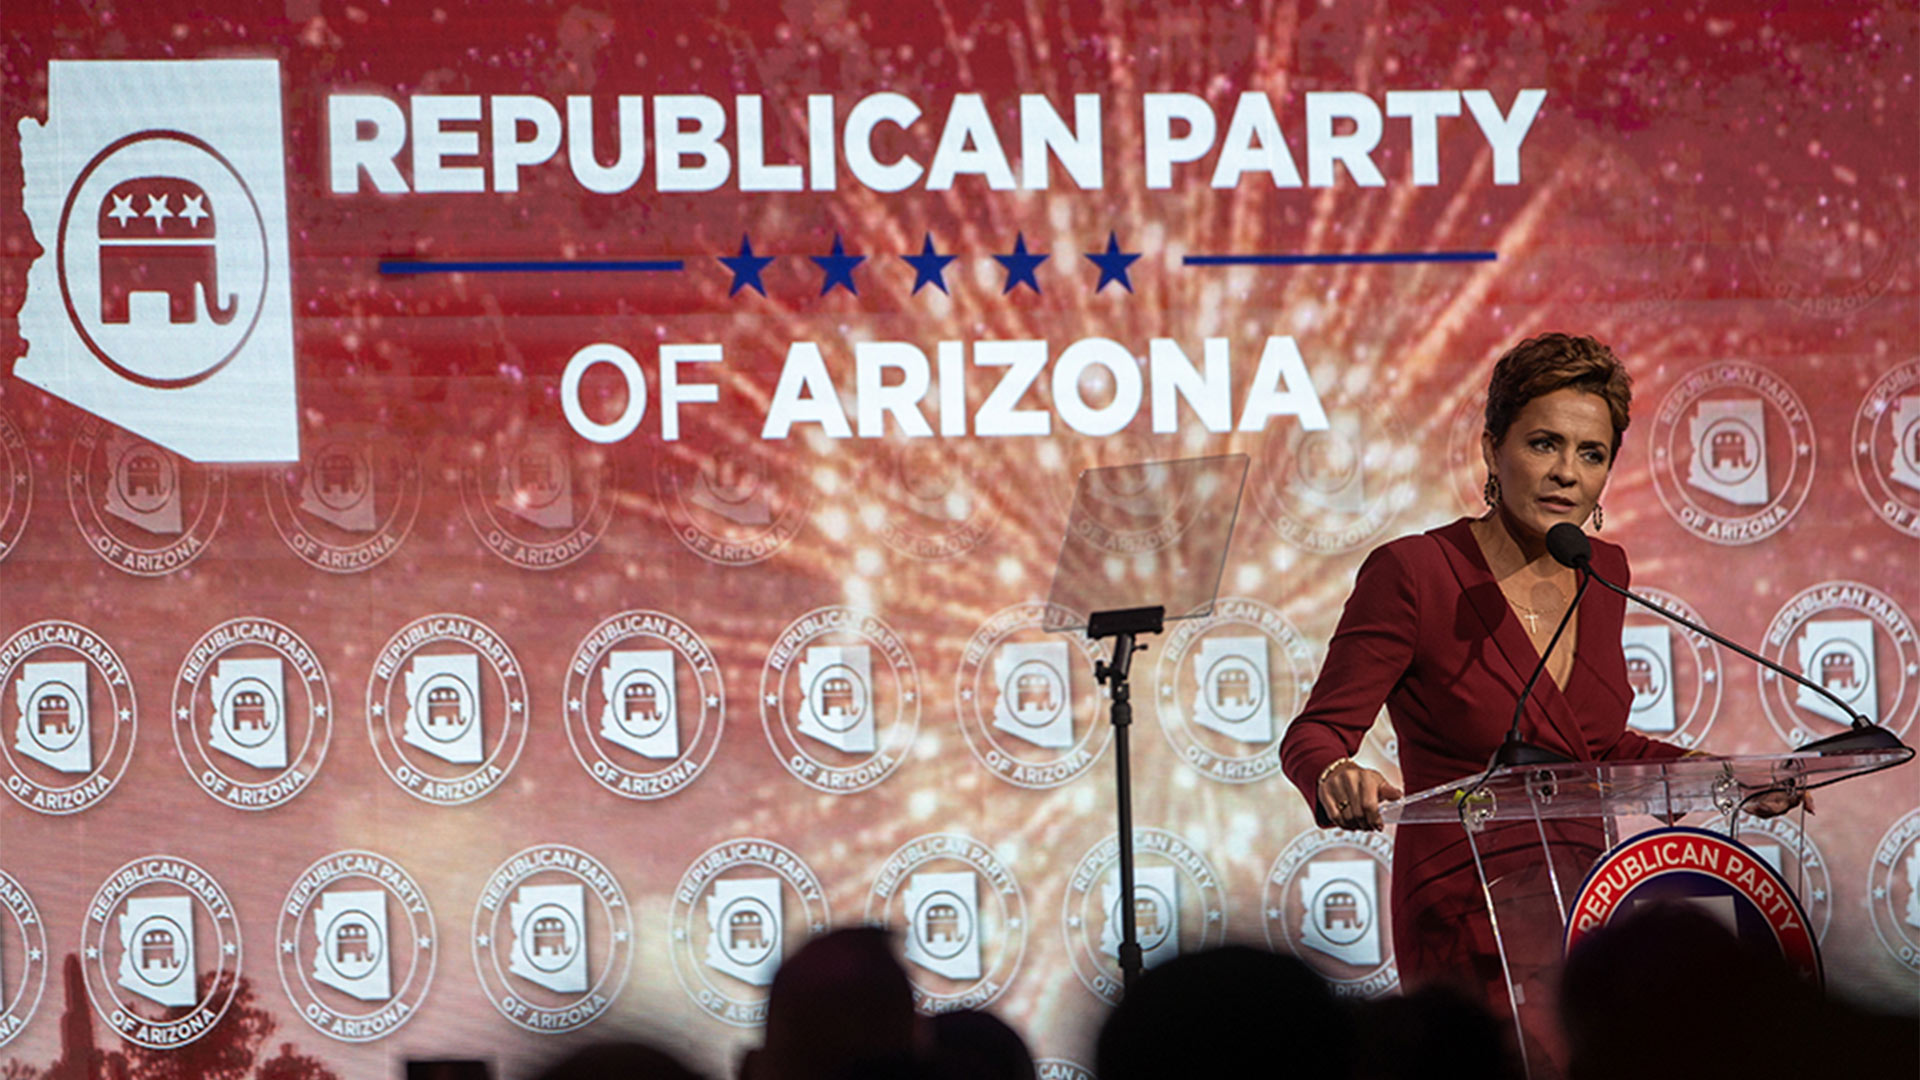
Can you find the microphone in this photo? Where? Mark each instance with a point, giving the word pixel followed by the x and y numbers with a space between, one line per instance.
pixel 1513 751
pixel 1570 547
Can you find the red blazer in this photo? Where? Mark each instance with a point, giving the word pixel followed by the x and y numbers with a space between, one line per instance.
pixel 1428 633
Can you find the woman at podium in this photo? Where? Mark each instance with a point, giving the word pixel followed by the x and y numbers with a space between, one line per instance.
pixel 1444 628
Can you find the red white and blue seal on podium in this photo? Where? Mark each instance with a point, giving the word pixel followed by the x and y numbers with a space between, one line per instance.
pixel 1722 876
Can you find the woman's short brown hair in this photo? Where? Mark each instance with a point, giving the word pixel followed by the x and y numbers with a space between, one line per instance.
pixel 1540 365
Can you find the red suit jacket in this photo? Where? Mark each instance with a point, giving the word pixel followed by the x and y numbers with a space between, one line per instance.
pixel 1428 633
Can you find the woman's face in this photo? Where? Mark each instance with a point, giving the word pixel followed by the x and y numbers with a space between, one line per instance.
pixel 1553 462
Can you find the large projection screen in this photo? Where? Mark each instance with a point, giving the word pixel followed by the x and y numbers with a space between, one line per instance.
pixel 515 515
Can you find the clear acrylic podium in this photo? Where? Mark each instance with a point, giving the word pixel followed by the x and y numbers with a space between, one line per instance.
pixel 1528 898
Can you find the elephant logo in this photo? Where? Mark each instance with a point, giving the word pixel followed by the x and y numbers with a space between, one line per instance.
pixel 156 191
pixel 157 236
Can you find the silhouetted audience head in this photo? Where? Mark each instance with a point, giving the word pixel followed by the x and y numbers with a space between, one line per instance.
pixel 973 1045
pixel 1669 991
pixel 1435 1033
pixel 840 1007
pixel 1233 1011
pixel 618 1061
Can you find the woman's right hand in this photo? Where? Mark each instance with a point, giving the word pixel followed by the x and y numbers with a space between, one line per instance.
pixel 1351 794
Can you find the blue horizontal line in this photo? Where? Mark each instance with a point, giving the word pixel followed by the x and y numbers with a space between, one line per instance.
pixel 1336 260
pixel 410 266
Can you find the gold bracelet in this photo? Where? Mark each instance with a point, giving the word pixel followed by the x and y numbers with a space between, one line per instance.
pixel 1328 771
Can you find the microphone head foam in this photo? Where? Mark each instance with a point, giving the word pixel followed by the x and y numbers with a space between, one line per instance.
pixel 1569 546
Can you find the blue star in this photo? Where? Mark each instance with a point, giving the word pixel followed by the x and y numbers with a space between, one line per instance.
pixel 928 265
pixel 746 268
pixel 1020 266
pixel 1113 265
pixel 839 267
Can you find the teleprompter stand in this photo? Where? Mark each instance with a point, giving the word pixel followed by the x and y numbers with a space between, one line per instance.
pixel 1145 543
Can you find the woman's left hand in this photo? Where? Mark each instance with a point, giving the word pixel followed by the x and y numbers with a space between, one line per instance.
pixel 1778 801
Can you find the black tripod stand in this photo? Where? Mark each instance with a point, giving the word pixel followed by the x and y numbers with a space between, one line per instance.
pixel 1123 626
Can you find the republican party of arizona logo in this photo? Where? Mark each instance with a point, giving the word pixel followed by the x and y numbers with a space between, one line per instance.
pixel 23 958
pixel 349 503
pixel 840 699
pixel 1893 889
pixel 1886 448
pixel 144 510
pixel 538 501
pixel 1336 488
pixel 1733 453
pixel 1226 686
pixel 1178 906
pixel 738 911
pixel 447 709
pixel 962 916
pixel 552 939
pixel 357 946
pixel 1126 508
pixel 67 717
pixel 162 952
pixel 16 485
pixel 1828 250
pixel 1674 673
pixel 644 704
pixel 727 507
pixel 1724 878
pixel 252 713
pixel 157 192
pixel 1029 705
pixel 933 509
pixel 1851 639
pixel 1792 854
pixel 1325 901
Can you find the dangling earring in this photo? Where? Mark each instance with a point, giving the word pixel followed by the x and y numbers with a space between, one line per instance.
pixel 1599 517
pixel 1491 491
